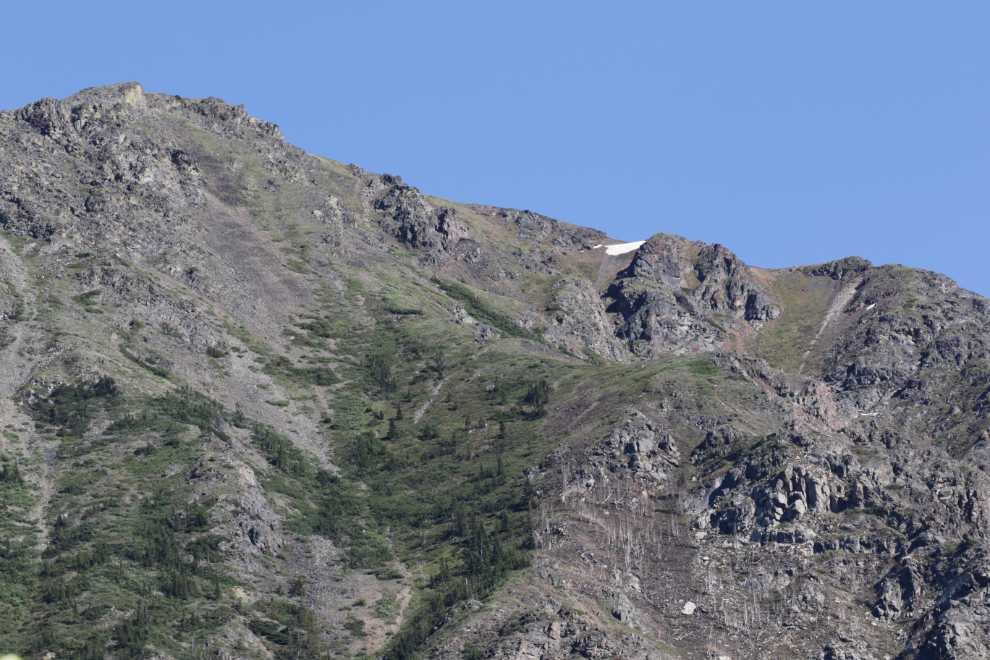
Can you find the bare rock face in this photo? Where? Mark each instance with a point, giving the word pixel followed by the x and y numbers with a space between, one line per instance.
pixel 904 344
pixel 662 260
pixel 685 297
pixel 531 226
pixel 842 268
pixel 657 322
pixel 728 286
pixel 637 445
pixel 416 223
pixel 335 218
pixel 635 448
pixel 577 319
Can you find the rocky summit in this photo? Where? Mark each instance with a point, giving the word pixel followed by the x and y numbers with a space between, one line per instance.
pixel 259 404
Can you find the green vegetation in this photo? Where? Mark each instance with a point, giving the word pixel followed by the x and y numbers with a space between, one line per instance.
pixel 430 432
pixel 292 629
pixel 168 516
pixel 387 608
pixel 145 364
pixel 70 408
pixel 702 368
pixel 482 311
pixel 805 300
pixel 249 340
pixel 17 565
pixel 451 486
pixel 284 371
pixel 104 553
pixel 88 302
pixel 298 267
pixel 17 308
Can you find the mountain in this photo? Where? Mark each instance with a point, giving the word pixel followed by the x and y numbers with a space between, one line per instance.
pixel 260 404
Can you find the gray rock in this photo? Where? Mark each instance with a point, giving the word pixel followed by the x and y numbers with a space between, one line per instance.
pixel 416 223
pixel 622 608
pixel 577 320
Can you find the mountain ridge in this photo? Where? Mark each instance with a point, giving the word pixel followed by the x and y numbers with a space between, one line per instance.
pixel 266 404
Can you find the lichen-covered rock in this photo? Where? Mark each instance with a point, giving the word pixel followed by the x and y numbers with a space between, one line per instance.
pixel 577 320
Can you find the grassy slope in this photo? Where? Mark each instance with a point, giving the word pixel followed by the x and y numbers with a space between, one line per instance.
pixel 805 301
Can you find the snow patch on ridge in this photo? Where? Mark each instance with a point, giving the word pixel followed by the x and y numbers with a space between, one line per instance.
pixel 622 248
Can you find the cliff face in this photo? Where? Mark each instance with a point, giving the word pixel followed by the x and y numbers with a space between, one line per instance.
pixel 258 403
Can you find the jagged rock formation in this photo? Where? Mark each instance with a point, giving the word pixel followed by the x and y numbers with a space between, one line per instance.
pixel 415 223
pixel 266 404
pixel 683 297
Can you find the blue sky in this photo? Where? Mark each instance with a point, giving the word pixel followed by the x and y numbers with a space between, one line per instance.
pixel 792 133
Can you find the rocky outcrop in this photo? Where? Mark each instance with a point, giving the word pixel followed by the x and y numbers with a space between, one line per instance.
pixel 551 632
pixel 728 286
pixel 577 320
pixel 656 322
pixel 910 337
pixel 413 221
pixel 634 447
pixel 251 526
pixel 583 237
pixel 461 317
pixel 957 626
pixel 841 268
pixel 901 593
pixel 336 218
pixel 684 297
pixel 531 227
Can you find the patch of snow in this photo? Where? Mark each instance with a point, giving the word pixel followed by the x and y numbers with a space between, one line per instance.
pixel 871 307
pixel 622 248
pixel 689 608
pixel 596 247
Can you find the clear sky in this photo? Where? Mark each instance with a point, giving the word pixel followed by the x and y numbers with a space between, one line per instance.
pixel 790 132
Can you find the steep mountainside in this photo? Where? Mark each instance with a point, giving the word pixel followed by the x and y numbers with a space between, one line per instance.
pixel 259 404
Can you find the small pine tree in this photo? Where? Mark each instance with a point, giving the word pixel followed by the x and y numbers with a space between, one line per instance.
pixel 538 395
pixel 11 473
pixel 444 569
pixel 398 410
